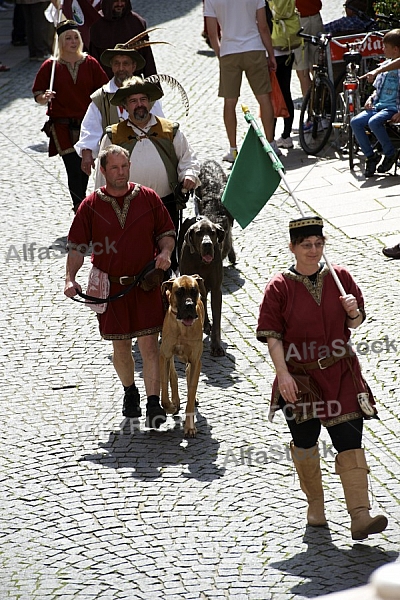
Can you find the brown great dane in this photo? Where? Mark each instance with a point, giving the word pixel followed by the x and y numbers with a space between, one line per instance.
pixel 182 336
pixel 201 253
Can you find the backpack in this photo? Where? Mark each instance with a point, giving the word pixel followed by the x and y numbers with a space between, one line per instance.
pixel 285 25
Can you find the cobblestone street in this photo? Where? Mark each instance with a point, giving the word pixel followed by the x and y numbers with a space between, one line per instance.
pixel 93 509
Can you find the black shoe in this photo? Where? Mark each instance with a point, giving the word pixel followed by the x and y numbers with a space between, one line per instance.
pixel 393 252
pixel 155 414
pixel 386 164
pixel 370 164
pixel 131 405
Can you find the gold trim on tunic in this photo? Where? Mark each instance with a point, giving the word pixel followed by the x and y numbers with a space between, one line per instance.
pixel 121 213
pixel 315 290
pixel 129 336
pixel 268 333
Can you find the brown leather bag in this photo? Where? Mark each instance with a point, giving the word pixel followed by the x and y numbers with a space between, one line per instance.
pixel 152 279
pixel 47 127
pixel 303 385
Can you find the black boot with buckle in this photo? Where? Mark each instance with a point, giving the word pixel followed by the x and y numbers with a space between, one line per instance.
pixel 131 405
pixel 155 414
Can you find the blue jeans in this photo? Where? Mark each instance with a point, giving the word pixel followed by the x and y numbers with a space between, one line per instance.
pixel 375 120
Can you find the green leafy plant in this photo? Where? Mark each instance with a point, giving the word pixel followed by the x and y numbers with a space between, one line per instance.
pixel 389 7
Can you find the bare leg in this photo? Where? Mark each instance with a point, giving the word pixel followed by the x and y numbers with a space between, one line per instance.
pixel 305 81
pixel 230 120
pixel 123 361
pixel 148 346
pixel 267 115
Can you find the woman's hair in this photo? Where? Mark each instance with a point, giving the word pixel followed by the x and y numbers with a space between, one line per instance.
pixel 61 43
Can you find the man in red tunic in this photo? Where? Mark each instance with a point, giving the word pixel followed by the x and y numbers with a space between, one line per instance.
pixel 128 226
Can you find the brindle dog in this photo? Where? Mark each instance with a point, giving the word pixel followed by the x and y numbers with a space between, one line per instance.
pixel 201 253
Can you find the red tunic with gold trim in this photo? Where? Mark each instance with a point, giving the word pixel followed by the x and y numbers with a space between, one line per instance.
pixel 73 87
pixel 311 323
pixel 124 233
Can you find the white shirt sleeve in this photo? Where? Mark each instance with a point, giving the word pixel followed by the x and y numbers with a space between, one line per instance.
pixel 188 165
pixel 91 131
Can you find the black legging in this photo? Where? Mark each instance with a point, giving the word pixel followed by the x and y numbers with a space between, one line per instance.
pixel 344 436
pixel 77 179
pixel 283 75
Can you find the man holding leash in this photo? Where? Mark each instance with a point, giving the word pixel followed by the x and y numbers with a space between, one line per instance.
pixel 161 156
pixel 128 227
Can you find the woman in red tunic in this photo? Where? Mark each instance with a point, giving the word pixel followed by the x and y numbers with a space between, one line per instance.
pixel 306 324
pixel 76 77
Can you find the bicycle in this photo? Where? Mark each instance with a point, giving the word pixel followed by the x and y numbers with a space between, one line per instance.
pixel 353 94
pixel 319 105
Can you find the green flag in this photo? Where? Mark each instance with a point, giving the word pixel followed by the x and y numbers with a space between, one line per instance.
pixel 253 180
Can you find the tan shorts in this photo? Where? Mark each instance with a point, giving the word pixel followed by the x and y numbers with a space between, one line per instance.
pixel 305 57
pixel 255 66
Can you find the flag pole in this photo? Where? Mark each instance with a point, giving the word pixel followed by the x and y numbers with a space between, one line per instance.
pixel 277 165
pixel 53 65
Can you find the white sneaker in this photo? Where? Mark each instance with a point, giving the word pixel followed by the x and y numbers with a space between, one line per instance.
pixel 284 142
pixel 3 9
pixel 8 5
pixel 231 156
pixel 275 148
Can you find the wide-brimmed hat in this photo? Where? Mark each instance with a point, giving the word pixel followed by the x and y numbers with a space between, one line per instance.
pixel 305 227
pixel 66 25
pixel 120 49
pixel 136 85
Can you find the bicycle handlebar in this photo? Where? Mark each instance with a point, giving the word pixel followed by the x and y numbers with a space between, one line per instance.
pixel 389 20
pixel 321 39
pixel 356 46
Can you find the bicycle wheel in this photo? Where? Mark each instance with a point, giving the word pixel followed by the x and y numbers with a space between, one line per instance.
pixel 316 116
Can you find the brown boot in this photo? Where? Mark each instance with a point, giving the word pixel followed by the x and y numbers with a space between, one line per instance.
pixel 353 470
pixel 308 469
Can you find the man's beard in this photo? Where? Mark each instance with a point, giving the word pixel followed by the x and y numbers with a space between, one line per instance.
pixel 140 114
pixel 119 79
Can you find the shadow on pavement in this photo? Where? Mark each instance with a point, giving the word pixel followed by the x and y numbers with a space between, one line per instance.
pixel 148 451
pixel 329 568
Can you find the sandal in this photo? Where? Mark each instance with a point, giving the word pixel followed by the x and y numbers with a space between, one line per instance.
pixel 4 68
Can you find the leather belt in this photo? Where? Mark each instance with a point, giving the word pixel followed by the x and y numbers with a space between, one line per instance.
pixel 321 363
pixel 124 280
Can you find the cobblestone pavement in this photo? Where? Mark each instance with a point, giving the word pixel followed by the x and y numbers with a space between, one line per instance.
pixel 93 509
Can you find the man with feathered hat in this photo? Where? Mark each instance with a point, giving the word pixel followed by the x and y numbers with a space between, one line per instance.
pixel 160 155
pixel 124 61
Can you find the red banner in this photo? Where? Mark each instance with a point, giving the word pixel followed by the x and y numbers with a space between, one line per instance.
pixel 84 14
pixel 372 47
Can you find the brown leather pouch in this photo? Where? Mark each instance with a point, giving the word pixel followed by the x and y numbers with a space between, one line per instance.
pixel 47 127
pixel 303 385
pixel 152 280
